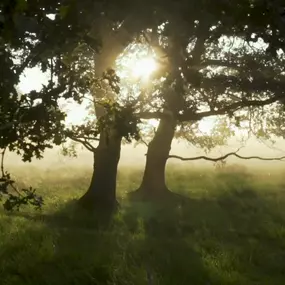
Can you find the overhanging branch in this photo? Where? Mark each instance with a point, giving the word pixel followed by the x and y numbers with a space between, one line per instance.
pixel 190 116
pixel 193 116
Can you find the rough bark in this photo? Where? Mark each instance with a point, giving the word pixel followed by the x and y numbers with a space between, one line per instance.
pixel 101 194
pixel 153 183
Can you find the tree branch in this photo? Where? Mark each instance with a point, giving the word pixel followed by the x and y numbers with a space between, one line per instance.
pixel 151 115
pixel 190 116
pixel 87 138
pixel 2 161
pixel 144 142
pixel 226 156
pixel 84 142
pixel 6 176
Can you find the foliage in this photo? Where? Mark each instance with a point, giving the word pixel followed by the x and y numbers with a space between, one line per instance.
pixel 20 198
pixel 209 58
pixel 120 118
pixel 217 135
pixel 213 65
pixel 69 149
pixel 14 197
pixel 117 117
pixel 54 37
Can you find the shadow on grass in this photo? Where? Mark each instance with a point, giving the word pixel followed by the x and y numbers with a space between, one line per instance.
pixel 233 237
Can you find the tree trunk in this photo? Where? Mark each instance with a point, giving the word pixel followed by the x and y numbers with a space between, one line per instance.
pixel 101 194
pixel 153 182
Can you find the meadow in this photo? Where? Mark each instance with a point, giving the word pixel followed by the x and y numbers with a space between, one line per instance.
pixel 229 229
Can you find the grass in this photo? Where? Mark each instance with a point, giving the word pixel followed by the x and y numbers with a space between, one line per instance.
pixel 229 230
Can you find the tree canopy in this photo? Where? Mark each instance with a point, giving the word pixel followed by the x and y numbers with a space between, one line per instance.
pixel 222 58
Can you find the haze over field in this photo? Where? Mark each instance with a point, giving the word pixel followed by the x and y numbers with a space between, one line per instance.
pixel 134 156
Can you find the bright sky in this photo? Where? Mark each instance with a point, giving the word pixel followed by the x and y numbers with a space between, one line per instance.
pixel 33 79
pixel 134 66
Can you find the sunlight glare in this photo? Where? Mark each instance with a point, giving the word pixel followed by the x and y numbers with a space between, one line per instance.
pixel 206 125
pixel 143 68
pixel 76 113
pixel 153 123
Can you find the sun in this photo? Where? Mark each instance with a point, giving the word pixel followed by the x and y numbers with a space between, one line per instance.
pixel 136 65
pixel 143 67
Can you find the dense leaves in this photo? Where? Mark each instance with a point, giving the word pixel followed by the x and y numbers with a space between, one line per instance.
pixel 29 37
pixel 227 59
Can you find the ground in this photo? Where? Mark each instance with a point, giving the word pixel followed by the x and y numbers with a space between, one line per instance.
pixel 229 230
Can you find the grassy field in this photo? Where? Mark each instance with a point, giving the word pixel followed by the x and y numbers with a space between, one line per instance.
pixel 229 230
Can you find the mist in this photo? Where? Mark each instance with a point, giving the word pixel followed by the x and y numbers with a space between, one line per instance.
pixel 134 156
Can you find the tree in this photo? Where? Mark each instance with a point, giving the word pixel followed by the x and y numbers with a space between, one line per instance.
pixel 63 38
pixel 30 123
pixel 102 189
pixel 117 28
pixel 65 45
pixel 227 62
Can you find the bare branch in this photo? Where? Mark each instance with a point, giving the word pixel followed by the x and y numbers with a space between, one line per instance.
pixel 144 142
pixel 87 138
pixel 226 156
pixel 84 142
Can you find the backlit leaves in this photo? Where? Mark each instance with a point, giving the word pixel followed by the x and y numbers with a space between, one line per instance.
pixel 120 118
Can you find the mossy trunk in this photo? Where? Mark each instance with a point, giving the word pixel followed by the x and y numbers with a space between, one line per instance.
pixel 153 182
pixel 101 194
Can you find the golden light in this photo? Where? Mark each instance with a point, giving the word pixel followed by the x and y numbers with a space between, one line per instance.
pixel 134 67
pixel 136 64
pixel 143 68
pixel 76 113
pixel 153 123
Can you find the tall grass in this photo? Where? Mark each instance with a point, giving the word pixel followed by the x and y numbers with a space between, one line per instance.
pixel 229 229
